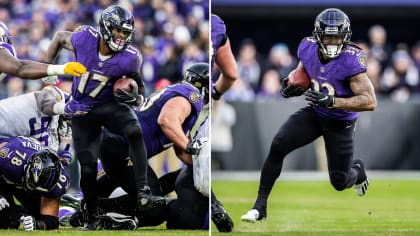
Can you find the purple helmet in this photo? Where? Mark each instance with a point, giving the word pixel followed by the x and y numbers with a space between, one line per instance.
pixel 332 22
pixel 5 36
pixel 116 17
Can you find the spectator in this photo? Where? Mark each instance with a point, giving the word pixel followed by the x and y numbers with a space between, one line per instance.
pixel 222 120
pixel 281 59
pixel 249 69
pixel 402 77
pixel 270 86
pixel 379 48
pixel 240 91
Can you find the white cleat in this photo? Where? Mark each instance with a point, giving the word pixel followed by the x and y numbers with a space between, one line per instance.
pixel 251 216
pixel 361 188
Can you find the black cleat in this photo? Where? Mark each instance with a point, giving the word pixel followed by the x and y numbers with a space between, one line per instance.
pixel 148 201
pixel 115 221
pixel 77 219
pixel 92 218
pixel 362 182
pixel 220 217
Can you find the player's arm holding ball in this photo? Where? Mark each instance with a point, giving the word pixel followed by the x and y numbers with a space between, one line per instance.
pixel 296 83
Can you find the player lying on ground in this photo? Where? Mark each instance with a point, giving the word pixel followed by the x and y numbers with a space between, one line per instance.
pixel 35 176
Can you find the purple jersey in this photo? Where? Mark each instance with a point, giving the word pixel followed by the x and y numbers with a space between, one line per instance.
pixel 148 114
pixel 13 158
pixel 332 78
pixel 218 34
pixel 95 86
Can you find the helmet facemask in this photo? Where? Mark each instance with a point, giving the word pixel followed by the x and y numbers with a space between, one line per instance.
pixel 116 18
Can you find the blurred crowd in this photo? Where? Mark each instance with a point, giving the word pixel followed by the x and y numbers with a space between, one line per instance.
pixel 171 34
pixel 393 69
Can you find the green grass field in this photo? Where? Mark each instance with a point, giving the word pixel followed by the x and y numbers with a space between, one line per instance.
pixel 148 231
pixel 315 208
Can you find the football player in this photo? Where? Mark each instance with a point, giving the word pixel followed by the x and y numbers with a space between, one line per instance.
pixel 34 175
pixel 165 117
pixel 108 56
pixel 38 115
pixel 10 65
pixel 223 57
pixel 339 90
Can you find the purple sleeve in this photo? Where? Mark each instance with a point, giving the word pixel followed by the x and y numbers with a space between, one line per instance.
pixel 79 39
pixel 356 61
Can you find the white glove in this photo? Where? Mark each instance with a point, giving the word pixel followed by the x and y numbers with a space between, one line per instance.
pixel 3 203
pixel 52 79
pixel 201 169
pixel 28 222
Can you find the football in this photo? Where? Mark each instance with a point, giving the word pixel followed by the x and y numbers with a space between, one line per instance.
pixel 299 78
pixel 124 84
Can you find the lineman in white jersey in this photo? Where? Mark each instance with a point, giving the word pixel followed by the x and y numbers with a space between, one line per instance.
pixel 36 115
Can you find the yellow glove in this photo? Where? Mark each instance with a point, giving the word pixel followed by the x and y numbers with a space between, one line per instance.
pixel 74 68
pixel 70 68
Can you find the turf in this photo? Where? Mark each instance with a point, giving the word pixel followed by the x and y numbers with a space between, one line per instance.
pixel 79 232
pixel 315 208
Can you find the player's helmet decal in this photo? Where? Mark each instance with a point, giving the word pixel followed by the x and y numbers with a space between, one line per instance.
pixel 5 35
pixel 332 22
pixel 121 19
pixel 43 170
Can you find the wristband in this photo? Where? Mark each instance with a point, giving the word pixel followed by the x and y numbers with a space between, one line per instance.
pixel 58 108
pixel 55 70
pixel 216 94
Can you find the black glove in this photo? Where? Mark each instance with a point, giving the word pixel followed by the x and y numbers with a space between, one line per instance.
pixel 290 90
pixel 132 99
pixel 316 98
pixel 194 147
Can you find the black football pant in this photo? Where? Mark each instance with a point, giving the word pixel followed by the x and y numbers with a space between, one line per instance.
pixel 302 128
pixel 191 208
pixel 121 175
pixel 119 118
pixel 30 204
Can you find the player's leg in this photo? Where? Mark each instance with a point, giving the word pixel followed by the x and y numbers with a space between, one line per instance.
pixel 86 134
pixel 219 215
pixel 300 129
pixel 122 120
pixel 190 209
pixel 9 216
pixel 344 173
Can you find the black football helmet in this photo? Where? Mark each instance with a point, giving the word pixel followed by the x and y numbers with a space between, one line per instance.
pixel 5 35
pixel 332 22
pixel 120 18
pixel 198 75
pixel 42 171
